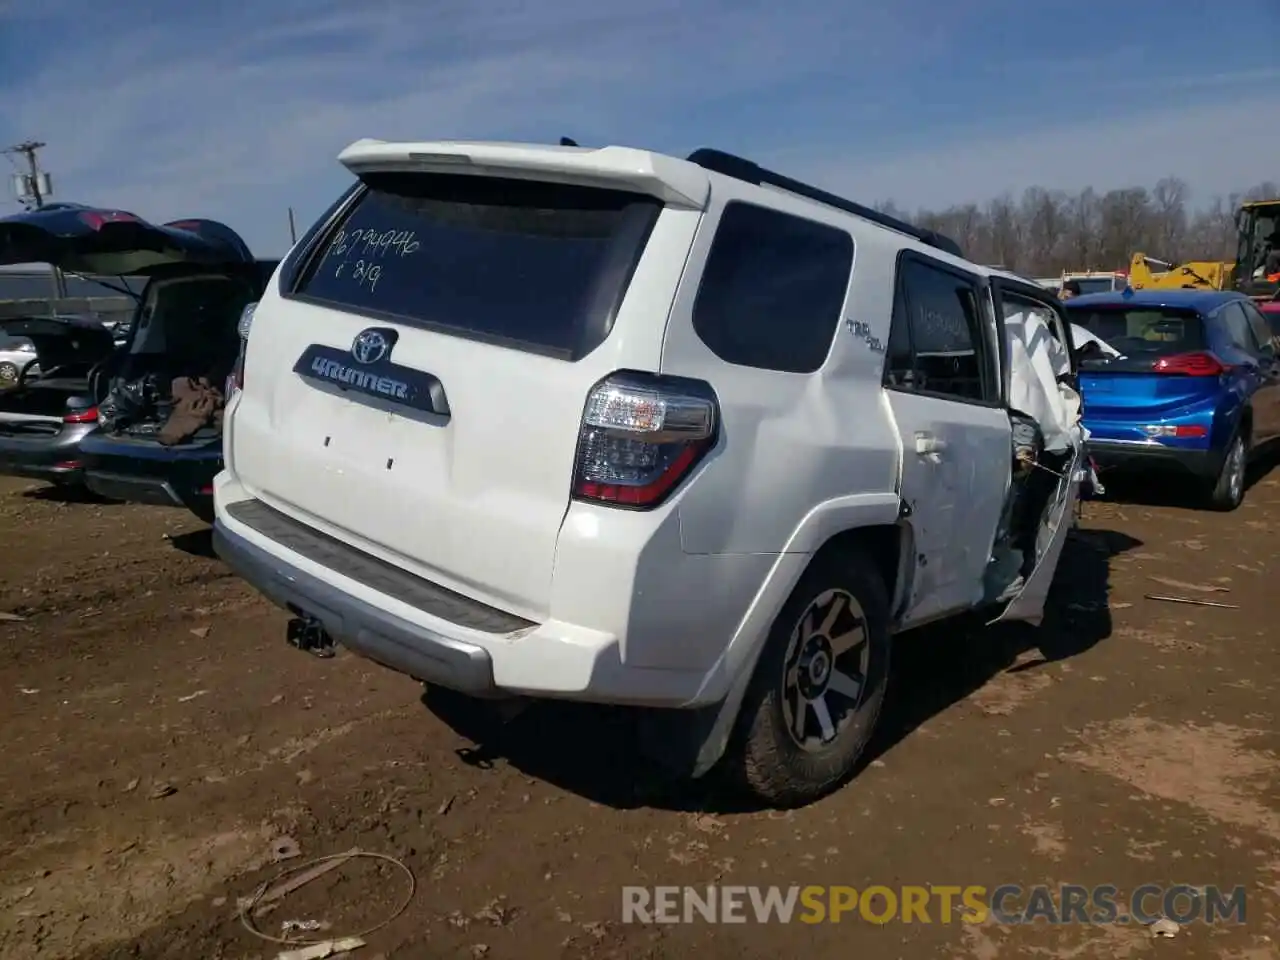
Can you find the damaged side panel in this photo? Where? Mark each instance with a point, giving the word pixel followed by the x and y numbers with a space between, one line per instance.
pixel 1050 538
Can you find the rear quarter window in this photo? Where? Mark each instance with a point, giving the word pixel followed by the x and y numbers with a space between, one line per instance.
pixel 773 289
pixel 525 264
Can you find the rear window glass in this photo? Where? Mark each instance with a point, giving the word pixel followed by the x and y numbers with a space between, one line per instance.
pixel 528 264
pixel 773 289
pixel 1095 285
pixel 1142 331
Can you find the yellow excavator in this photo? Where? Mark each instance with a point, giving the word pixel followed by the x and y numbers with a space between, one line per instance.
pixel 1255 272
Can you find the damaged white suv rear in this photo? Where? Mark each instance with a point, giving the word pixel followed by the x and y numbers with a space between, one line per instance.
pixel 608 425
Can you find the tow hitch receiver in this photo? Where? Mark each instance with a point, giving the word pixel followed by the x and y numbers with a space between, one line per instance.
pixel 309 636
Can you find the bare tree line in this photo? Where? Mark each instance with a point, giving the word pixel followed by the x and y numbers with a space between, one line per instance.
pixel 1045 232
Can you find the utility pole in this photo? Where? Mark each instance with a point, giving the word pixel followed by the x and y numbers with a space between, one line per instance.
pixel 33 187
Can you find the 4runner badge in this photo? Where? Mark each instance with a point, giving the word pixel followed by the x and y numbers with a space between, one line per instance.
pixel 366 367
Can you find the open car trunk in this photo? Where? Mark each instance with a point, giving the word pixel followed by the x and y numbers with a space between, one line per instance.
pixel 70 353
pixel 200 275
pixel 103 242
pixel 36 410
pixel 158 397
pixel 183 347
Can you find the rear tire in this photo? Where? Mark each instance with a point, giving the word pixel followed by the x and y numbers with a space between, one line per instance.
pixel 818 687
pixel 1227 492
pixel 8 374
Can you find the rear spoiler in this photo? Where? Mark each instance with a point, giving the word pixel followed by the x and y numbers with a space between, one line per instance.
pixel 672 181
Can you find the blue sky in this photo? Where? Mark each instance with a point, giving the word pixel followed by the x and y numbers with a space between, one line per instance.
pixel 236 110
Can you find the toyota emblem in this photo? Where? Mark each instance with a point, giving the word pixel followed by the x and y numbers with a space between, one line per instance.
pixel 370 346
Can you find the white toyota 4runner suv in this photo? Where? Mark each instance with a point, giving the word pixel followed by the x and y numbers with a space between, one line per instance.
pixel 612 426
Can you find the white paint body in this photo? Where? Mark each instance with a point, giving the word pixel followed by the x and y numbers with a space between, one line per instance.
pixel 668 607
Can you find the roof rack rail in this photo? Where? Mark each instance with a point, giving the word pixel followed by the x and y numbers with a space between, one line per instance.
pixel 742 169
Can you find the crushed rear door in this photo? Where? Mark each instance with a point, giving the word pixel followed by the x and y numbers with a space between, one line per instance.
pixel 1043 367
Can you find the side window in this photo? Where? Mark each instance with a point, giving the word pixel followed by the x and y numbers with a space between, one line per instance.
pixel 773 289
pixel 1261 328
pixel 948 355
pixel 899 363
pixel 1236 323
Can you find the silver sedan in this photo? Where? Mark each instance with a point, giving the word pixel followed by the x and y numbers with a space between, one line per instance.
pixel 17 354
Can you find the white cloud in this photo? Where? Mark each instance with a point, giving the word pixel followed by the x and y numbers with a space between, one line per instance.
pixel 239 112
pixel 235 120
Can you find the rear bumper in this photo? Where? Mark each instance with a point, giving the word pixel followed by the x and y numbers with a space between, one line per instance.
pixel 51 458
pixel 130 488
pixel 150 473
pixel 425 631
pixel 365 628
pixel 1136 456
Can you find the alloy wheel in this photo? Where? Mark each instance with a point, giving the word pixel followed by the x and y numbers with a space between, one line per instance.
pixel 825 673
pixel 1236 470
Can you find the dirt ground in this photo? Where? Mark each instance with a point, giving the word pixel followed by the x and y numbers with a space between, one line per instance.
pixel 159 739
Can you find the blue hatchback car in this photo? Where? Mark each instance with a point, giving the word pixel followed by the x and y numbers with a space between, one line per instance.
pixel 1180 379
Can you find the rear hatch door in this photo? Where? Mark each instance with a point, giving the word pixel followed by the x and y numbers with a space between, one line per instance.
pixel 1124 384
pixel 418 388
pixel 105 242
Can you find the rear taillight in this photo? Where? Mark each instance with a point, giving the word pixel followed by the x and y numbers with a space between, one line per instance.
pixel 1180 431
pixel 87 415
pixel 236 380
pixel 1198 364
pixel 640 436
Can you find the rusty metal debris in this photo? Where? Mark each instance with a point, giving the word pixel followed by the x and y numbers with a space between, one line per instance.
pixel 1192 587
pixel 282 890
pixel 275 890
pixel 323 949
pixel 1164 928
pixel 1193 601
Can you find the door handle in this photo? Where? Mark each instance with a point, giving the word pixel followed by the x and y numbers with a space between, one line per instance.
pixel 927 443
